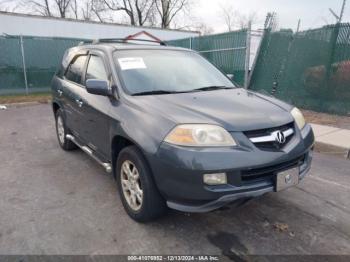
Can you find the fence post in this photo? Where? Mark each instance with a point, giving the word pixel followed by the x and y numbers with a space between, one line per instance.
pixel 333 44
pixel 247 56
pixel 257 55
pixel 24 64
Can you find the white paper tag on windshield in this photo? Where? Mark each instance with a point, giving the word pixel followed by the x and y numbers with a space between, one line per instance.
pixel 129 63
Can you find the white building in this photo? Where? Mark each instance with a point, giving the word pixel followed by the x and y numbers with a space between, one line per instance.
pixel 32 25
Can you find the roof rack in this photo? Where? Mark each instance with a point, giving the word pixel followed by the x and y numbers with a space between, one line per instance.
pixel 125 41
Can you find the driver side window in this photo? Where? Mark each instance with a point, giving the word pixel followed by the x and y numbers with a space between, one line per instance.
pixel 96 69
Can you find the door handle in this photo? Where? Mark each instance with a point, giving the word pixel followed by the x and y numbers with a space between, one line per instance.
pixel 60 92
pixel 79 102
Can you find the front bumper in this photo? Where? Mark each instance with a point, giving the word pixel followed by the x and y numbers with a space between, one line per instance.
pixel 251 172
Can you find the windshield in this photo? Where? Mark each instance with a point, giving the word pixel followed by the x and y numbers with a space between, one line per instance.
pixel 168 71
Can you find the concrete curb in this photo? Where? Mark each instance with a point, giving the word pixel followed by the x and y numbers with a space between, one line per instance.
pixel 332 140
pixel 332 150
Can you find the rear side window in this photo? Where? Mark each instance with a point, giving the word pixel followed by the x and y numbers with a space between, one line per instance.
pixel 75 69
pixel 96 69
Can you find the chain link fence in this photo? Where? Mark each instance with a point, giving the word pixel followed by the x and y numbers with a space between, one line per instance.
pixel 310 69
pixel 27 64
pixel 227 51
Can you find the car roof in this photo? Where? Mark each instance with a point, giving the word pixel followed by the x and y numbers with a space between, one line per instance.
pixel 111 47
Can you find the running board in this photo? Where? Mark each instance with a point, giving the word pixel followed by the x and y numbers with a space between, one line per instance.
pixel 90 152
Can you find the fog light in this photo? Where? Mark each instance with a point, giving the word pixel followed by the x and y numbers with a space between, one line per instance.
pixel 215 179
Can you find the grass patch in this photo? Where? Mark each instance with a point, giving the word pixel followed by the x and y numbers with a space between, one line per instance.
pixel 37 97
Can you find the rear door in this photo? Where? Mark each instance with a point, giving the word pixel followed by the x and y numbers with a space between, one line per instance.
pixel 72 85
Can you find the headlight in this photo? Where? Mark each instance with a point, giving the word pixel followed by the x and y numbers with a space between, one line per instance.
pixel 200 136
pixel 298 117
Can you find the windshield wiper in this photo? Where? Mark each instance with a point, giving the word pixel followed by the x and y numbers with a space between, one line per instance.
pixel 155 92
pixel 210 88
pixel 165 92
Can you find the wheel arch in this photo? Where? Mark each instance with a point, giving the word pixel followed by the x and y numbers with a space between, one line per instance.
pixel 119 142
pixel 55 107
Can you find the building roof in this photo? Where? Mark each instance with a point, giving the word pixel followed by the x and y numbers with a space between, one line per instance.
pixel 93 22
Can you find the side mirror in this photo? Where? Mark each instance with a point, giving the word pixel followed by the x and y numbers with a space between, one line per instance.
pixel 231 76
pixel 98 87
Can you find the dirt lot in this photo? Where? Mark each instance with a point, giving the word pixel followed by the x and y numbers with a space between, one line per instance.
pixel 54 202
pixel 39 97
pixel 327 119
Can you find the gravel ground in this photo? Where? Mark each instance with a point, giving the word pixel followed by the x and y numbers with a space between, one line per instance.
pixel 54 202
pixel 327 119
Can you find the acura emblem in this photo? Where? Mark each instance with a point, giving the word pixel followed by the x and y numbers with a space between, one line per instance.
pixel 280 138
pixel 288 179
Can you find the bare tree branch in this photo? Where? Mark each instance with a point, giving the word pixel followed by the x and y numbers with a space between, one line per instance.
pixel 245 20
pixel 9 5
pixel 139 12
pixel 74 7
pixel 169 9
pixel 62 6
pixel 41 7
pixel 228 16
pixel 234 19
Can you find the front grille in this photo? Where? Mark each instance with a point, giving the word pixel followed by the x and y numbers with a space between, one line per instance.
pixel 271 145
pixel 253 175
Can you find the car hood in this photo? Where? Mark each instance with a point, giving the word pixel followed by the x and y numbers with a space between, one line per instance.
pixel 235 110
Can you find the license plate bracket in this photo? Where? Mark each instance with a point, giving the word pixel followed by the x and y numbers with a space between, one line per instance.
pixel 287 179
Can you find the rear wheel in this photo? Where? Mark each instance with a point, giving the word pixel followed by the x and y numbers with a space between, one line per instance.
pixel 140 196
pixel 61 131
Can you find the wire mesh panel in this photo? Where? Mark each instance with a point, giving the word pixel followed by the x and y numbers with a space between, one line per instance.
pixel 11 66
pixel 310 69
pixel 227 51
pixel 41 58
pixel 185 43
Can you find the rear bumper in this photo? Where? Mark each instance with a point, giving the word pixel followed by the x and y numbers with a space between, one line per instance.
pixel 178 171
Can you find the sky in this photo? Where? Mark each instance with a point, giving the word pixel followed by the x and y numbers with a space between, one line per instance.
pixel 313 13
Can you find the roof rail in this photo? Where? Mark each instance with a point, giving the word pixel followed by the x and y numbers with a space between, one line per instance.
pixel 125 41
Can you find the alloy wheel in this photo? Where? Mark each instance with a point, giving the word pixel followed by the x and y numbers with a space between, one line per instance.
pixel 131 185
pixel 60 129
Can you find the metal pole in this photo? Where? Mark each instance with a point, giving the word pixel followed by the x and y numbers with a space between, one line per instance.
pixel 256 56
pixel 298 28
pixel 342 11
pixel 247 56
pixel 24 64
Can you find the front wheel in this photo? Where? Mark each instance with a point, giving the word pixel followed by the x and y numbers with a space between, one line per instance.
pixel 140 196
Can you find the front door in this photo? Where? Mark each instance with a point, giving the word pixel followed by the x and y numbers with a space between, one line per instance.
pixel 95 125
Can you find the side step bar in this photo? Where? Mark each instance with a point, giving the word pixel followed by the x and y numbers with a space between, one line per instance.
pixel 88 150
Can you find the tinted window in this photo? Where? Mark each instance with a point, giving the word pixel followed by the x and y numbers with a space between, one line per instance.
pixel 75 69
pixel 167 70
pixel 96 69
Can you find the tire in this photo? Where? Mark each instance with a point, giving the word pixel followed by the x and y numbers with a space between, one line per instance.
pixel 62 131
pixel 149 205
